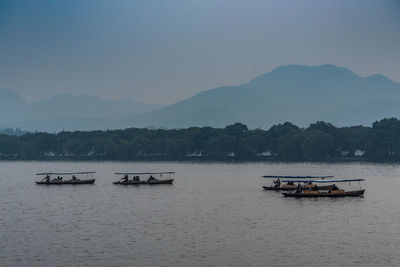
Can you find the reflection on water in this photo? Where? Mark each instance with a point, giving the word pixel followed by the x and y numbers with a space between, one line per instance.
pixel 213 214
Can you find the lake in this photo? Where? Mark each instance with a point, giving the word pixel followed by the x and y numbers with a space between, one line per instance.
pixel 215 214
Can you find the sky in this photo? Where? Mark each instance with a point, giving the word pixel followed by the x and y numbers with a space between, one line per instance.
pixel 165 51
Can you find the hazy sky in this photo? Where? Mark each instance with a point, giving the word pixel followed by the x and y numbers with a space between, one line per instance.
pixel 164 51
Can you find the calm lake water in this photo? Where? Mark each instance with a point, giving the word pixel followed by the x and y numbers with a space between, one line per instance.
pixel 213 215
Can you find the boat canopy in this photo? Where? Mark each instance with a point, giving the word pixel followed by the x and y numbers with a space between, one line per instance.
pixel 63 173
pixel 142 173
pixel 297 177
pixel 324 181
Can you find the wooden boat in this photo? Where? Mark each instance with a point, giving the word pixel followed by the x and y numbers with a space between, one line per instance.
pixel 333 193
pixel 293 187
pixel 297 177
pixel 167 181
pixel 87 181
pixel 60 180
pixel 301 193
pixel 289 186
pixel 151 181
pixel 280 188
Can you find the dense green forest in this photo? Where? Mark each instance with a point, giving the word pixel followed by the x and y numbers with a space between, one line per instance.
pixel 321 141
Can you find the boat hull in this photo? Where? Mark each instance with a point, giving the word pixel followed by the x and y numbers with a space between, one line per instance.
pixel 272 188
pixel 74 182
pixel 356 193
pixel 168 181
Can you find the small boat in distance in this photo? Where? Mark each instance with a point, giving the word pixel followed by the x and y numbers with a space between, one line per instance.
pixel 336 192
pixel 150 181
pixel 298 177
pixel 289 185
pixel 59 180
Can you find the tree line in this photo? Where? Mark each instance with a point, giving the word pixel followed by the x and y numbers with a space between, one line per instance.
pixel 12 131
pixel 320 141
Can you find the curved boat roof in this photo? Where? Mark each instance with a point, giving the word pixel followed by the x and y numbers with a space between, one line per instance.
pixel 141 173
pixel 63 173
pixel 324 181
pixel 298 177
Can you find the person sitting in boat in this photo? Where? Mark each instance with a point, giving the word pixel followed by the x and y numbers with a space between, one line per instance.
pixel 277 183
pixel 125 179
pixel 136 179
pixel 47 178
pixel 152 179
pixel 74 178
pixel 59 178
pixel 334 187
pixel 299 188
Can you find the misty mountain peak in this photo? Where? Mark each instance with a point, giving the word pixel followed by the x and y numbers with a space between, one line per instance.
pixel 296 93
pixel 9 96
pixel 306 73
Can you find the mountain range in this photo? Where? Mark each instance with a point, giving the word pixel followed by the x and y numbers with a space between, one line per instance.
pixel 65 110
pixel 295 93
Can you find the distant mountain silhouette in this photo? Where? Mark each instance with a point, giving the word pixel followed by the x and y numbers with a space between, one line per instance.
pixel 295 93
pixel 69 106
pixel 75 110
pixel 12 107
